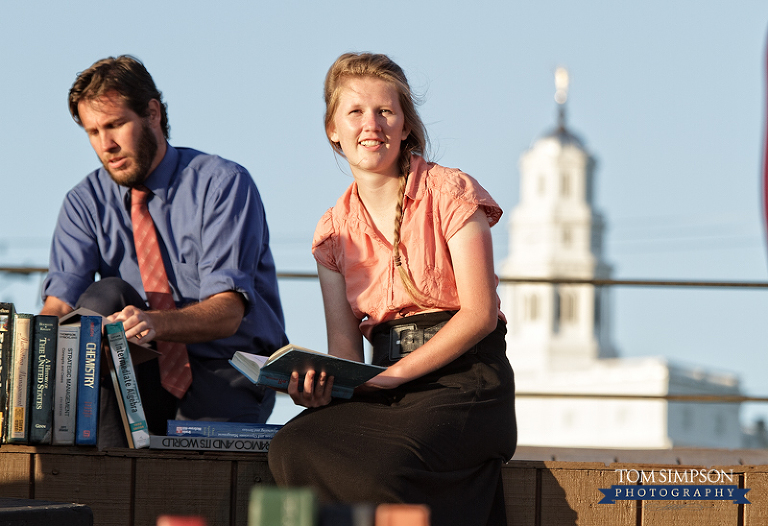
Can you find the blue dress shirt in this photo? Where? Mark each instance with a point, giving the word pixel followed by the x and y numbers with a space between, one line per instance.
pixel 213 237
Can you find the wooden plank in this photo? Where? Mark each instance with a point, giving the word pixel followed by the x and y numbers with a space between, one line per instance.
pixel 709 457
pixel 692 512
pixel 680 456
pixel 633 456
pixel 753 457
pixel 756 513
pixel 249 473
pixel 519 494
pixel 601 456
pixel 720 457
pixel 688 512
pixel 15 475
pixel 133 487
pixel 182 487
pixel 532 453
pixel 571 496
pixel 100 482
pixel 565 454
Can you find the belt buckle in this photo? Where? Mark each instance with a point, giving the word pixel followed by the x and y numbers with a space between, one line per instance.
pixel 395 349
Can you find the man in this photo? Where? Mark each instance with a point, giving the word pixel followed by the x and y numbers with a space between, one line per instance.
pixel 211 230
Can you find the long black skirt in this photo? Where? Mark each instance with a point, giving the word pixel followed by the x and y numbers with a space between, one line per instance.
pixel 439 440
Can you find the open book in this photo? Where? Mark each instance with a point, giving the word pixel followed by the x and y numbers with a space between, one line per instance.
pixel 275 371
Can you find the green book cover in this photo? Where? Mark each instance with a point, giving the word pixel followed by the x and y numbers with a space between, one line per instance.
pixel 269 505
pixel 275 371
pixel 126 388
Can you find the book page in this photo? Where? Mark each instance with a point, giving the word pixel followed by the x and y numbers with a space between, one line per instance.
pixel 254 360
pixel 290 347
pixel 249 364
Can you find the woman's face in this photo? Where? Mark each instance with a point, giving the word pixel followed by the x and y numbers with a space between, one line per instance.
pixel 369 125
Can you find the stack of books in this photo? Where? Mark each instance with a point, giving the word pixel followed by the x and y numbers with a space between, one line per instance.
pixel 44 365
pixel 50 381
pixel 50 385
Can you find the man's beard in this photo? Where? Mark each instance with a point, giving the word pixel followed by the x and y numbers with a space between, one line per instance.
pixel 145 154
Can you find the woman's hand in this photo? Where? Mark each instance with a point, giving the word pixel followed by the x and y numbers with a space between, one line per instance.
pixel 313 393
pixel 388 379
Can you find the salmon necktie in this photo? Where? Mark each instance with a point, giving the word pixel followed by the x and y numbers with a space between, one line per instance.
pixel 175 372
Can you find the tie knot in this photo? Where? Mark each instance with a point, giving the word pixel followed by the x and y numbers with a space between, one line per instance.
pixel 139 195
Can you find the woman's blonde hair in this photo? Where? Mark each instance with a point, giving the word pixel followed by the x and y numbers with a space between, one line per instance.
pixel 351 65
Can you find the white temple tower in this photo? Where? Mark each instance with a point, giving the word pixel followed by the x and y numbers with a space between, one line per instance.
pixel 558 336
pixel 556 233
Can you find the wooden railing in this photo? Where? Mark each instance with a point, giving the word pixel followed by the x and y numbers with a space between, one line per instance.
pixel 542 486
pixel 554 281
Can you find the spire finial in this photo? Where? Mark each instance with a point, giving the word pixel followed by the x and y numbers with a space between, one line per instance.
pixel 561 94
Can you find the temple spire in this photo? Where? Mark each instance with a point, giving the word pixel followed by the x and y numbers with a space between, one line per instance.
pixel 561 95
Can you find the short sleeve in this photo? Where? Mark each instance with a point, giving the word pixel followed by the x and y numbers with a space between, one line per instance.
pixel 74 256
pixel 459 196
pixel 233 236
pixel 324 242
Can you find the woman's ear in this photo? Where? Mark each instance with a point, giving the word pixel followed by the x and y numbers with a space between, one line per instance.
pixel 332 135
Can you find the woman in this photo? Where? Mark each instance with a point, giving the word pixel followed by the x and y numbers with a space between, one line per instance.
pixel 404 259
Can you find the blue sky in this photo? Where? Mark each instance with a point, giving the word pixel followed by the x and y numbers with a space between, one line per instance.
pixel 668 96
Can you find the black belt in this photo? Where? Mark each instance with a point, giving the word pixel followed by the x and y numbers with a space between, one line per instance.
pixel 394 339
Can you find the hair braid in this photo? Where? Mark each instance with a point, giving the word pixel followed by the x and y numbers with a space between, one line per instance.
pixel 422 300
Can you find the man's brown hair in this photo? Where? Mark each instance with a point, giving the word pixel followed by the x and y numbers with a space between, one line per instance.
pixel 124 75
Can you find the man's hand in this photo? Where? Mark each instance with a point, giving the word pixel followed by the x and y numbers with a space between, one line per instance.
pixel 137 324
pixel 216 317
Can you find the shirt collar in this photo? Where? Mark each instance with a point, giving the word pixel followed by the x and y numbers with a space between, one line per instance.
pixel 413 187
pixel 418 170
pixel 160 179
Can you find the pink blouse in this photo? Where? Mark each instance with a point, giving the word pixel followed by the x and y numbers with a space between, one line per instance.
pixel 438 202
